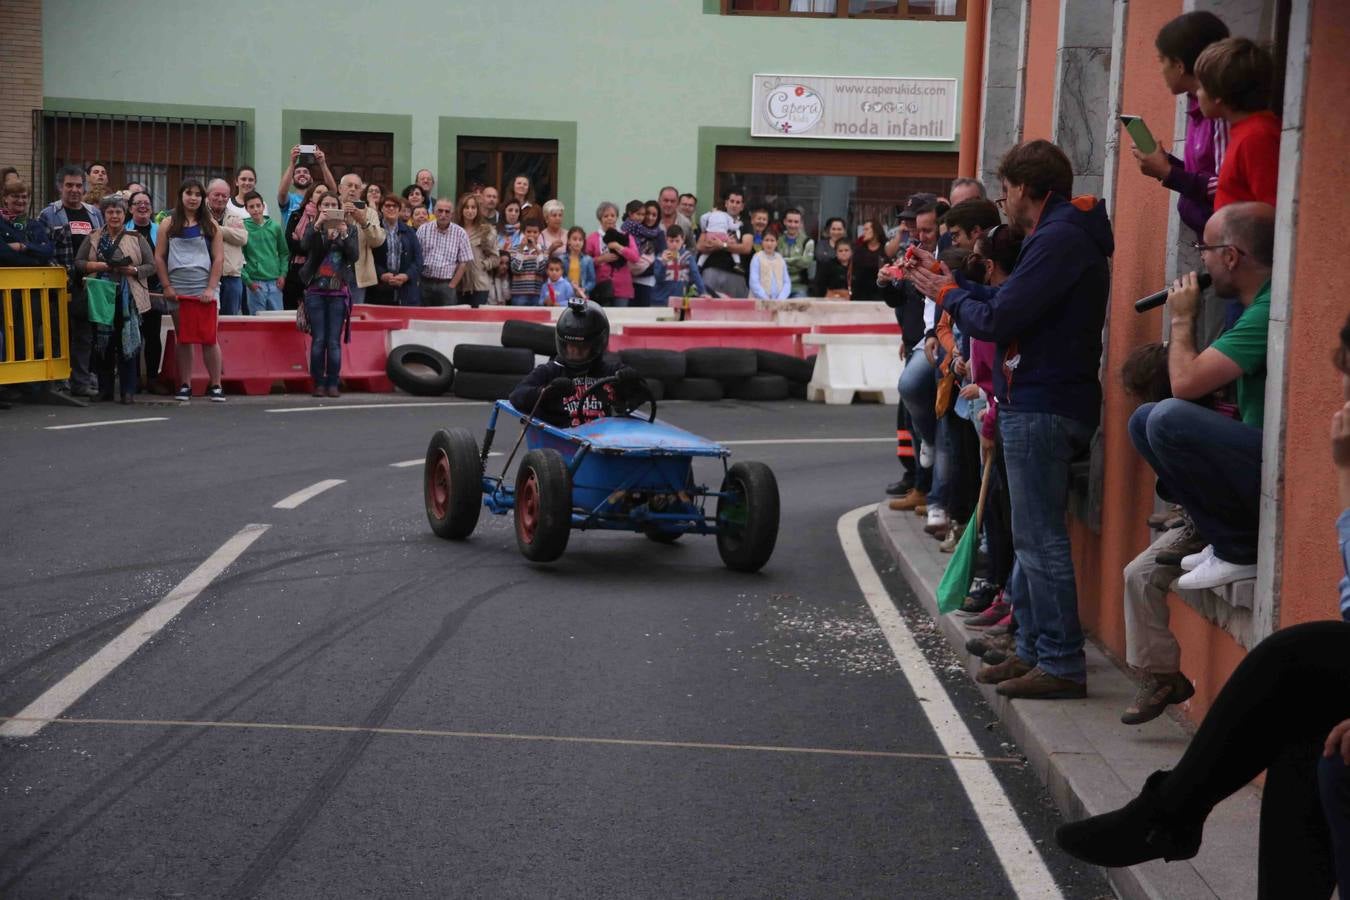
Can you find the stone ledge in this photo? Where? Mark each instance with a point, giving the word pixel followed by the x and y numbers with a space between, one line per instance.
pixel 1089 762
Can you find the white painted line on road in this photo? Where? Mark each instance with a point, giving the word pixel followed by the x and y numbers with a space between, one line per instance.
pixel 361 406
pixel 1016 850
pixel 508 736
pixel 866 440
pixel 409 463
pixel 107 422
pixel 60 696
pixel 312 491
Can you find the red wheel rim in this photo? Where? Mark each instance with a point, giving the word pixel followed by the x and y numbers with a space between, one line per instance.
pixel 438 486
pixel 527 508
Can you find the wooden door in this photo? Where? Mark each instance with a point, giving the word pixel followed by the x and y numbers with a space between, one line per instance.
pixel 369 154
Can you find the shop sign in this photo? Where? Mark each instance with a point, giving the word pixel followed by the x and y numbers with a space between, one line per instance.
pixel 847 107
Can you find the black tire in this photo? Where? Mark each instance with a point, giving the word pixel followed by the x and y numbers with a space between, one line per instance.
pixel 657 389
pixel 695 389
pixel 421 371
pixel 797 390
pixel 482 386
pixel 665 365
pixel 790 367
pixel 722 363
pixel 759 387
pixel 533 336
pixel 543 513
pixel 452 484
pixel 747 525
pixel 490 360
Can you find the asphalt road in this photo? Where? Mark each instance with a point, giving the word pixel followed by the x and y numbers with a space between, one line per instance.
pixel 357 708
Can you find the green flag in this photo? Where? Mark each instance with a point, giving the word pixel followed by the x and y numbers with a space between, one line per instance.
pixel 955 583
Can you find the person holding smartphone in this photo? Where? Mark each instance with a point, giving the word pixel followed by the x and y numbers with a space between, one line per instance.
pixel 1194 178
pixel 329 275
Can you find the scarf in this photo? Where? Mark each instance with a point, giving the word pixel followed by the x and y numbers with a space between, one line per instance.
pixel 307 215
pixel 131 318
pixel 772 275
pixel 393 249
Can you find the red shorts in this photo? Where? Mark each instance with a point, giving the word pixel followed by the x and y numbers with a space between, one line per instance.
pixel 196 321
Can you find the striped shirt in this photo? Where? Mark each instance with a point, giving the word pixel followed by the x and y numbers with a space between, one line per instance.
pixel 528 272
pixel 443 251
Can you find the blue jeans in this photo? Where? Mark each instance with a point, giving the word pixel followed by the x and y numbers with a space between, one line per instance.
pixel 1037 449
pixel 267 296
pixel 1211 465
pixel 525 300
pixel 918 392
pixel 231 295
pixel 326 313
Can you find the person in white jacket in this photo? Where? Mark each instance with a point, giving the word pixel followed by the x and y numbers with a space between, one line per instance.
pixel 769 279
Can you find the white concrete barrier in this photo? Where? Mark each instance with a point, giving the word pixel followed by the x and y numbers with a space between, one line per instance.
pixel 866 365
pixel 445 336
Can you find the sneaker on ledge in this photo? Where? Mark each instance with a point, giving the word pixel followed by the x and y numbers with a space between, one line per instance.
pixel 991 616
pixel 184 393
pixel 1191 562
pixel 215 393
pixel 1215 572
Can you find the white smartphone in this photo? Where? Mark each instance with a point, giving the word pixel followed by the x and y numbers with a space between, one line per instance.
pixel 1139 133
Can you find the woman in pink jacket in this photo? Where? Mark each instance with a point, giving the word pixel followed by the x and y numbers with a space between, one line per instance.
pixel 612 251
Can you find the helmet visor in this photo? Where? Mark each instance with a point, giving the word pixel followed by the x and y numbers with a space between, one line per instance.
pixel 576 351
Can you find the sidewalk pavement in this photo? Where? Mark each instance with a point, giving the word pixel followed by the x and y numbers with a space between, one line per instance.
pixel 1090 762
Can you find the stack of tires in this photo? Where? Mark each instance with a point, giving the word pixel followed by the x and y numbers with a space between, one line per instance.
pixel 661 369
pixel 420 371
pixel 488 372
pixel 714 373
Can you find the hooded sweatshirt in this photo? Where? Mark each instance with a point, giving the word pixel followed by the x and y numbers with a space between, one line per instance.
pixel 1046 319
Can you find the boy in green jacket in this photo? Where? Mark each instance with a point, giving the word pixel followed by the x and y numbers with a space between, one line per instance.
pixel 266 257
pixel 798 250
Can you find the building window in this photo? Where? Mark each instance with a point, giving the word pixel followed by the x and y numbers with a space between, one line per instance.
pixel 854 185
pixel 155 151
pixel 949 10
pixel 369 154
pixel 487 161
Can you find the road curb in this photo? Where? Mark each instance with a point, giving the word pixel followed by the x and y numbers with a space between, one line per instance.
pixel 1089 762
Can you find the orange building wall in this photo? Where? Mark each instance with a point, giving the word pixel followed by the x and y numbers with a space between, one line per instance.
pixel 1039 89
pixel 1321 301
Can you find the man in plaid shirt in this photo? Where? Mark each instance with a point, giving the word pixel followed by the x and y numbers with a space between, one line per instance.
pixel 71 221
pixel 445 253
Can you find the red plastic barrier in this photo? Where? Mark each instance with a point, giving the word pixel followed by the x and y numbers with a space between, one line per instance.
pixel 679 336
pixel 859 328
pixel 260 352
pixel 725 309
pixel 406 314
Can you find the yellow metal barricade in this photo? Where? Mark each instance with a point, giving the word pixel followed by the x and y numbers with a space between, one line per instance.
pixel 34 325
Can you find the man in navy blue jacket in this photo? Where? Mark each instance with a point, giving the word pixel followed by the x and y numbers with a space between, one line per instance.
pixel 1046 321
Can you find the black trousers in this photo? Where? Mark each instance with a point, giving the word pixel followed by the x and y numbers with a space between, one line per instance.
pixel 998 520
pixel 1273 715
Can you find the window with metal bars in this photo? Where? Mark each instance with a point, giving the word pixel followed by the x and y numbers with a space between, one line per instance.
pixel 156 151
pixel 950 10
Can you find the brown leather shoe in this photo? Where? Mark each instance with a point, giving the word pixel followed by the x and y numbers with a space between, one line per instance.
pixel 1155 694
pixel 334 392
pixel 914 498
pixel 1039 684
pixel 1012 667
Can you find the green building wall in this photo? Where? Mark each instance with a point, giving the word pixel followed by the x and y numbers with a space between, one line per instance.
pixel 626 86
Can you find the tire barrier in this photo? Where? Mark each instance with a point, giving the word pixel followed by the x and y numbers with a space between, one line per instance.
pixel 420 371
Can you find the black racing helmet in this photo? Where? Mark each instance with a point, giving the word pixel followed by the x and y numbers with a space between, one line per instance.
pixel 582 334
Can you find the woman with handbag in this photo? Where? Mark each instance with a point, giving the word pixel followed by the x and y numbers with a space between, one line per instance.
pixel 328 275
pixel 188 260
pixel 479 274
pixel 613 252
pixel 123 261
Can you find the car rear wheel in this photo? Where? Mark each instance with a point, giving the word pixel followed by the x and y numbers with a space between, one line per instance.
pixel 452 483
pixel 543 513
pixel 747 516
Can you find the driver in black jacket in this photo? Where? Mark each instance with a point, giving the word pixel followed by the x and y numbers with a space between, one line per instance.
pixel 582 334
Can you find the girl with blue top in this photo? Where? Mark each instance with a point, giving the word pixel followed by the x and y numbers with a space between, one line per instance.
pixel 769 279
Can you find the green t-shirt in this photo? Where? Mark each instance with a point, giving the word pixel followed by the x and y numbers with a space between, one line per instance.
pixel 1245 344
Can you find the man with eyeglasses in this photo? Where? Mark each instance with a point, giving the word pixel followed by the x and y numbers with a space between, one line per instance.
pixel 1204 460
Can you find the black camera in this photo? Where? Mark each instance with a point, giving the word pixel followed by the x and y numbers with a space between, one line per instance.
pixel 115 259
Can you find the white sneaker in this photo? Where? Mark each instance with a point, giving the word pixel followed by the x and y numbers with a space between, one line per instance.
pixel 937 518
pixel 1192 562
pixel 925 455
pixel 1214 572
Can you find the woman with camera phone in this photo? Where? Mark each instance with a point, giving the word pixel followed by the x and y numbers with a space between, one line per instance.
pixel 329 273
pixel 125 258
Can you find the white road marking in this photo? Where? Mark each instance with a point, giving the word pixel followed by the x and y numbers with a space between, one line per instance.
pixel 107 422
pixel 60 696
pixel 361 406
pixel 409 463
pixel 313 490
pixel 766 441
pixel 1016 850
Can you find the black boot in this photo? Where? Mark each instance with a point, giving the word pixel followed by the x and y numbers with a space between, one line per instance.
pixel 1137 832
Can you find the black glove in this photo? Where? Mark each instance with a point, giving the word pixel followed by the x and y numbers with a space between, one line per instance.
pixel 627 375
pixel 560 387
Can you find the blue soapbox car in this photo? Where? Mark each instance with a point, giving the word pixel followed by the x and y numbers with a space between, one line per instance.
pixel 619 473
